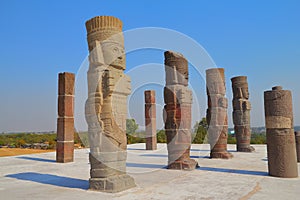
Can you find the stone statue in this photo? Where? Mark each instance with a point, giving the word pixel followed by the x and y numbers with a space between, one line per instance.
pixel 106 106
pixel 241 113
pixel 281 147
pixel 216 114
pixel 177 112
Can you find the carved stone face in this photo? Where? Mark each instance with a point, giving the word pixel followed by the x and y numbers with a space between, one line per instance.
pixel 114 54
pixel 245 92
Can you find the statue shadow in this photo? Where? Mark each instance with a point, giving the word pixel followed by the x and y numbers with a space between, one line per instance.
pixel 135 149
pixel 145 165
pixel 50 179
pixel 234 171
pixel 36 159
pixel 165 156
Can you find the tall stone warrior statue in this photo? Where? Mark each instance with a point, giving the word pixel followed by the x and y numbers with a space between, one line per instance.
pixel 241 113
pixel 216 114
pixel 106 111
pixel 281 147
pixel 177 112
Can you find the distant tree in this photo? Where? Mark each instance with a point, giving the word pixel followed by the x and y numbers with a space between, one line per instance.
pixel 200 131
pixel 131 126
pixel 161 136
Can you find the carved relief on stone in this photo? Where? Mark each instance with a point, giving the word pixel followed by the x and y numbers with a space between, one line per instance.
pixel 241 113
pixel 177 112
pixel 106 106
pixel 216 114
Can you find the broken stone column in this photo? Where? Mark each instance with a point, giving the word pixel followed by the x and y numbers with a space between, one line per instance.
pixel 281 147
pixel 297 137
pixel 65 120
pixel 241 113
pixel 177 112
pixel 106 106
pixel 150 120
pixel 216 114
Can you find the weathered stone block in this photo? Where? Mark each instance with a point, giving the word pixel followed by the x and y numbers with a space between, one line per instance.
pixel 66 83
pixel 281 146
pixel 65 129
pixel 65 151
pixel 65 106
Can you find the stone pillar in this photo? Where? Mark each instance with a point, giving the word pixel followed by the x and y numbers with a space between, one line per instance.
pixel 150 120
pixel 281 147
pixel 297 137
pixel 106 106
pixel 241 113
pixel 177 112
pixel 216 114
pixel 65 120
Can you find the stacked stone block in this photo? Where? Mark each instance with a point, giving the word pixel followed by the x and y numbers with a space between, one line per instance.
pixel 150 120
pixel 281 147
pixel 65 120
pixel 216 113
pixel 241 113
pixel 177 112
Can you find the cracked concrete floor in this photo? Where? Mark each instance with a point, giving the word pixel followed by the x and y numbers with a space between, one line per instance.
pixel 38 176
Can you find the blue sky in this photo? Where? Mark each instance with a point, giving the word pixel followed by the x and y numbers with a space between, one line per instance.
pixel 39 39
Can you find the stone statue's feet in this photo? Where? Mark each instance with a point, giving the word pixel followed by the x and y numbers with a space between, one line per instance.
pixel 221 155
pixel 112 184
pixel 247 149
pixel 185 164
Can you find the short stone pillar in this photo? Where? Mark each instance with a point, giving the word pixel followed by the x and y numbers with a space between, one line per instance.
pixel 106 106
pixel 177 112
pixel 65 120
pixel 216 114
pixel 281 147
pixel 241 113
pixel 150 120
pixel 297 137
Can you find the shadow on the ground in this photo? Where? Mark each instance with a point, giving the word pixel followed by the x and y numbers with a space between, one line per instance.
pixel 50 179
pixel 203 150
pixel 135 149
pixel 234 171
pixel 145 165
pixel 36 159
pixel 165 156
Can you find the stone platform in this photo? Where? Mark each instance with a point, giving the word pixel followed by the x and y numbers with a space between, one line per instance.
pixel 38 176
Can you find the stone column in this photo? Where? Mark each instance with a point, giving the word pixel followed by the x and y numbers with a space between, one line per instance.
pixel 216 114
pixel 106 106
pixel 241 113
pixel 65 120
pixel 297 137
pixel 150 120
pixel 281 147
pixel 177 112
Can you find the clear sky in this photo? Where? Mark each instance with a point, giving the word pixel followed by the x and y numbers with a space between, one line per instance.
pixel 39 39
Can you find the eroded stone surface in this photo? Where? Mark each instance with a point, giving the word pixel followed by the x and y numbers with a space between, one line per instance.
pixel 241 113
pixel 106 106
pixel 65 120
pixel 216 113
pixel 177 112
pixel 150 120
pixel 281 147
pixel 297 137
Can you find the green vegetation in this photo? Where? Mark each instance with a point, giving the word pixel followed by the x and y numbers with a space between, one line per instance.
pixel 199 136
pixel 19 140
pixel 200 132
